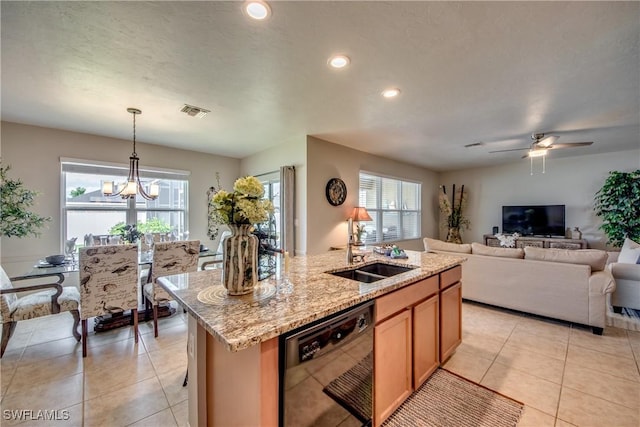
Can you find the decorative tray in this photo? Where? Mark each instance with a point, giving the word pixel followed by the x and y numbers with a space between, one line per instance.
pixel 390 251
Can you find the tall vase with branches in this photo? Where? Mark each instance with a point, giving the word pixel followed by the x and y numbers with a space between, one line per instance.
pixel 452 217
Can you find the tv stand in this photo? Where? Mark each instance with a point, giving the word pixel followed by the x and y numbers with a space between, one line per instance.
pixel 540 242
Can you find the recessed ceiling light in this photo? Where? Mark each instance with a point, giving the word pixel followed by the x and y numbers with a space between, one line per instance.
pixel 339 61
pixel 257 9
pixel 391 93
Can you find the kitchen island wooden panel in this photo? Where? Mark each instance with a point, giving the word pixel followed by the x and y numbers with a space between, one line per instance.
pixel 233 341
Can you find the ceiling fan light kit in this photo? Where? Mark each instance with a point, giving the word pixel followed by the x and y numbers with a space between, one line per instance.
pixel 541 145
pixel 538 152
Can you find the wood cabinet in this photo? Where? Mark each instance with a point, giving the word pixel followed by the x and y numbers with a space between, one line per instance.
pixel 540 242
pixel 392 364
pixel 426 340
pixel 405 344
pixel 450 311
pixel 450 320
pixel 417 328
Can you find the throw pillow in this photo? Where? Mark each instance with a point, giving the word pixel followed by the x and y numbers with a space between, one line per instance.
pixel 595 258
pixel 431 245
pixel 480 249
pixel 630 253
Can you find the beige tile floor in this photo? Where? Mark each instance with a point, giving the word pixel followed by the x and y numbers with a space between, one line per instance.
pixel 563 374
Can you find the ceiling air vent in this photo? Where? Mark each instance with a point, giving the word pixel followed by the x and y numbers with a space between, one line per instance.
pixel 194 111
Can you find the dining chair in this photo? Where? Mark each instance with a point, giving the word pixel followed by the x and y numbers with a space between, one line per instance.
pixel 216 263
pixel 44 299
pixel 168 258
pixel 108 284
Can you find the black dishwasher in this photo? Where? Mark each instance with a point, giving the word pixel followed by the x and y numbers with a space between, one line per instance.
pixel 326 370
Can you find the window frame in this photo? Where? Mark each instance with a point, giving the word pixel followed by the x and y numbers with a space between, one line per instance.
pixel 378 212
pixel 131 211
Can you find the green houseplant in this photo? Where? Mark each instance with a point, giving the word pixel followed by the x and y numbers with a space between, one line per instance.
pixel 618 203
pixel 16 218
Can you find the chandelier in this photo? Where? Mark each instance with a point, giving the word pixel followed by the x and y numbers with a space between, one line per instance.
pixel 133 186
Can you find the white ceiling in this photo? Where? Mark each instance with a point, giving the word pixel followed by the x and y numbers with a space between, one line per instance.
pixel 469 72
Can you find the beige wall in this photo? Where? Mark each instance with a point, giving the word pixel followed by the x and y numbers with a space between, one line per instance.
pixel 572 182
pixel 286 154
pixel 326 224
pixel 34 155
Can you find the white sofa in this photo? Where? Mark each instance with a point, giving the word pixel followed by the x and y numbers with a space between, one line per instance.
pixel 557 283
pixel 627 277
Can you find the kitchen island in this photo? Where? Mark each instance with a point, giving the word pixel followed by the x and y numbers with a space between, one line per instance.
pixel 233 341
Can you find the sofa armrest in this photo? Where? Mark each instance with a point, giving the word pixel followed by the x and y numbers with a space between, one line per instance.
pixel 625 271
pixel 601 283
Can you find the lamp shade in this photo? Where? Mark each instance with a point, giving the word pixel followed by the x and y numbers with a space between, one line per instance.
pixel 360 214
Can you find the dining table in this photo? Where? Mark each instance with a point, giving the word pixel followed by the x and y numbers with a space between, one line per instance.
pixel 107 322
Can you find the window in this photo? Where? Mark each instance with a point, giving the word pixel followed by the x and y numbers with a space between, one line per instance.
pixel 394 206
pixel 86 211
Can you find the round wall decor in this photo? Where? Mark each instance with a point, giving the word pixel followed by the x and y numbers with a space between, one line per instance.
pixel 336 191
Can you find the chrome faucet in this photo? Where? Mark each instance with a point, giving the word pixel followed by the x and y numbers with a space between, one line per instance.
pixel 349 241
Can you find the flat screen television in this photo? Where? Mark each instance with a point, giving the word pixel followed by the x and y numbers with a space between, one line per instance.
pixel 542 220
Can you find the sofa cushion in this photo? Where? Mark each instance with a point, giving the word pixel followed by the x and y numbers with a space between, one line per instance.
pixel 595 258
pixel 480 249
pixel 439 245
pixel 630 253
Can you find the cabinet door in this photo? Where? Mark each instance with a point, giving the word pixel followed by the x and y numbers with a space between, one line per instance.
pixel 391 365
pixel 425 340
pixel 450 320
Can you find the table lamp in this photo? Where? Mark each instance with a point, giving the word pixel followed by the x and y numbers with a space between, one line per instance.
pixel 359 214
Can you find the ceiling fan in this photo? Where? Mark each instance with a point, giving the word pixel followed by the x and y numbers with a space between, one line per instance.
pixel 542 143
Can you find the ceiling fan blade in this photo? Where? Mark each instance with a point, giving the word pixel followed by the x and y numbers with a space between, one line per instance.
pixel 570 145
pixel 511 149
pixel 547 141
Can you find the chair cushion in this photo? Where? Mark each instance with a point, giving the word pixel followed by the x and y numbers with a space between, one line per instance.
pixel 155 293
pixel 439 245
pixel 6 300
pixel 630 253
pixel 595 258
pixel 38 304
pixel 480 249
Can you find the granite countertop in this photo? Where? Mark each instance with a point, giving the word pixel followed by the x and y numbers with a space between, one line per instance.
pixel 277 307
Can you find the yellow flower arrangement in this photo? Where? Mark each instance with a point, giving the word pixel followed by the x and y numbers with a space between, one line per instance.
pixel 244 205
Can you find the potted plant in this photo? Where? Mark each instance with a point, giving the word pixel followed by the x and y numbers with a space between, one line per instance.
pixel 16 218
pixel 618 203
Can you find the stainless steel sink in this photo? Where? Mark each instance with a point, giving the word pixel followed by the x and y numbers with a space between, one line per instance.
pixel 372 272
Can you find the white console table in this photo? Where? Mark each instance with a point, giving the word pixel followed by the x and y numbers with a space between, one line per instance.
pixel 540 242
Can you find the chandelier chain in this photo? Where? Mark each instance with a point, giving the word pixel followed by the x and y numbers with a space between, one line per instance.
pixel 134 135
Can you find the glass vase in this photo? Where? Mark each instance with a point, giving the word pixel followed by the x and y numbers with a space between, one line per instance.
pixel 240 254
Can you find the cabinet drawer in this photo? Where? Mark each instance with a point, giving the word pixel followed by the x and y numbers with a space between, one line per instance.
pixel 451 276
pixel 565 245
pixel 525 243
pixel 406 297
pixel 493 242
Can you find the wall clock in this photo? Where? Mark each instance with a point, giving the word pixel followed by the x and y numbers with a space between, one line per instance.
pixel 336 191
